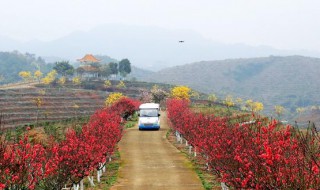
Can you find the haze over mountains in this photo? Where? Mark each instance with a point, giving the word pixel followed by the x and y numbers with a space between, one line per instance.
pixel 147 47
pixel 291 81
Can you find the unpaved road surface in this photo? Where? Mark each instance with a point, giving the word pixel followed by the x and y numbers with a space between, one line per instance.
pixel 149 161
pixel 18 85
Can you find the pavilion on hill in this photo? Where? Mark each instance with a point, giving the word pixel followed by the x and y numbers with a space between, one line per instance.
pixel 89 58
pixel 87 70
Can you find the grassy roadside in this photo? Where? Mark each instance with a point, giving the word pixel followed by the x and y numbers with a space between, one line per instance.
pixel 132 121
pixel 108 178
pixel 208 180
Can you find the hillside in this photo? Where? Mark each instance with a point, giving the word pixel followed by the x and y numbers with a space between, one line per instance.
pixel 18 106
pixel 11 63
pixel 291 81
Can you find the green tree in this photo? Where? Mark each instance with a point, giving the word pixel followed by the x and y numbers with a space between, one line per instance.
pixel 11 63
pixel 64 68
pixel 105 71
pixel 124 67
pixel 114 68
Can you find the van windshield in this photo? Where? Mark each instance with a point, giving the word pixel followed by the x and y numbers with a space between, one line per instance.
pixel 148 113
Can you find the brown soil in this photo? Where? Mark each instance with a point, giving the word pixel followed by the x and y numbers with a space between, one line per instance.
pixel 149 161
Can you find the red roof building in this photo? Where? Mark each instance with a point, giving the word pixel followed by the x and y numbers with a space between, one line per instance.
pixel 88 58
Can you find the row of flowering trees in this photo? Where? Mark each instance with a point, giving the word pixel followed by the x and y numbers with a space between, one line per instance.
pixel 251 155
pixel 24 165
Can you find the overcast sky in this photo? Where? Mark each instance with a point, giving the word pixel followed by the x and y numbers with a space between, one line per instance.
pixel 284 24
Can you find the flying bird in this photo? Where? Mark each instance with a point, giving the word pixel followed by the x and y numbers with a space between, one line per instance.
pixel 181 41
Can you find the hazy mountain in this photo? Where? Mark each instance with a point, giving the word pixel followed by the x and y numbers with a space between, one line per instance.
pixel 289 81
pixel 147 47
pixel 138 73
pixel 11 63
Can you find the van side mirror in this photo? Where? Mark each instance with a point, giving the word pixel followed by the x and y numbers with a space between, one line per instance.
pixel 159 114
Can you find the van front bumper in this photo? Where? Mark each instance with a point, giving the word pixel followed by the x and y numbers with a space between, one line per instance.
pixel 149 126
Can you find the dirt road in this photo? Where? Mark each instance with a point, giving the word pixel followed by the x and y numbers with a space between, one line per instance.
pixel 18 85
pixel 149 161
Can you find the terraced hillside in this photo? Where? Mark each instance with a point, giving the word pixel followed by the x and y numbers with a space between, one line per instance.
pixel 24 106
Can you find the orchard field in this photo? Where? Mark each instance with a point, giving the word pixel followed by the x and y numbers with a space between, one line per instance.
pixel 56 163
pixel 31 105
pixel 249 154
pixel 240 149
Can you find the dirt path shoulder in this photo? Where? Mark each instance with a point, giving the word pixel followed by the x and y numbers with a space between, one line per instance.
pixel 149 161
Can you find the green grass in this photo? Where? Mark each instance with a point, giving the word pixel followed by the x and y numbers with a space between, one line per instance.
pixel 113 168
pixel 130 124
pixel 206 184
pixel 168 133
pixel 132 121
pixel 207 179
pixel 108 178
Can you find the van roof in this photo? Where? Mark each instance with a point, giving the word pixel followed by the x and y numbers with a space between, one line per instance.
pixel 149 105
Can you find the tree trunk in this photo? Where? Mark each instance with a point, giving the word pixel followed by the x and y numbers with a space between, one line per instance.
pixel 75 186
pixel 104 167
pixel 81 185
pixel 91 181
pixel 224 186
pixel 98 175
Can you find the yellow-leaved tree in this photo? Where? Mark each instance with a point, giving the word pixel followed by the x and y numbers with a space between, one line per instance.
pixel 107 84
pixel 300 110
pixel 121 85
pixel 38 102
pixel 229 101
pixel 257 106
pixel 38 74
pixel 113 97
pixel 25 75
pixel 254 106
pixel 50 77
pixel 62 80
pixel 76 80
pixel 212 97
pixel 249 104
pixel 279 110
pixel 181 92
pixel 239 101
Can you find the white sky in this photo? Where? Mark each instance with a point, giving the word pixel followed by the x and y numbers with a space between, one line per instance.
pixel 285 24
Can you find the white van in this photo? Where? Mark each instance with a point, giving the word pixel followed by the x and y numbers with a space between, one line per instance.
pixel 149 116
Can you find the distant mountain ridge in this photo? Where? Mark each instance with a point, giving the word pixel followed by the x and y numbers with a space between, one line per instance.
pixel 147 47
pixel 291 81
